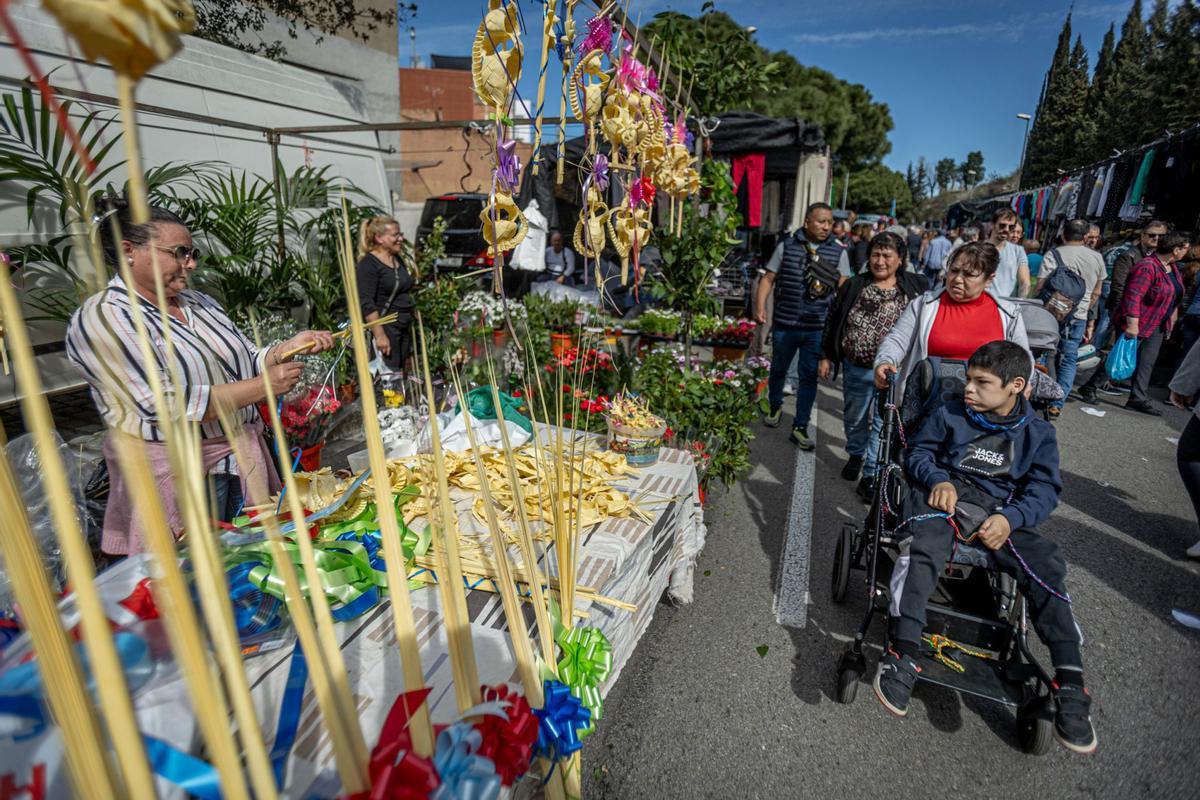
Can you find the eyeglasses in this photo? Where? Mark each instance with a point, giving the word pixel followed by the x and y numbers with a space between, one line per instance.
pixel 964 273
pixel 182 253
pixel 1154 235
pixel 1006 226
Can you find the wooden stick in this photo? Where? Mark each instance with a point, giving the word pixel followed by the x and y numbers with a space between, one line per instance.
pixel 172 597
pixel 97 634
pixel 385 320
pixel 525 539
pixel 133 156
pixel 518 631
pixel 454 605
pixel 389 530
pixel 62 677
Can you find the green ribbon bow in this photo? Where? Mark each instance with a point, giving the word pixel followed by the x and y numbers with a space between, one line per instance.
pixel 587 661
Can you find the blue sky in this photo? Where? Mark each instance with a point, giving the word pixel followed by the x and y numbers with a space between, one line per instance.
pixel 955 74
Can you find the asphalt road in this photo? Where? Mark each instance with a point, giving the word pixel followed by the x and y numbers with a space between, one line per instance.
pixel 699 713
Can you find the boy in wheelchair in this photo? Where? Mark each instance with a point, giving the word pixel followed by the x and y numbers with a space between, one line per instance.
pixel 986 468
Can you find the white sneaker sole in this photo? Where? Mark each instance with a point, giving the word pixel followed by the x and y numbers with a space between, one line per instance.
pixel 879 694
pixel 1083 750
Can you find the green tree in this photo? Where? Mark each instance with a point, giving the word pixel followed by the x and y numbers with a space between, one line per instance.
pixel 1098 91
pixel 1083 139
pixel 1124 103
pixel 723 65
pixel 1061 115
pixel 873 188
pixel 1180 104
pixel 971 171
pixel 730 71
pixel 945 173
pixel 228 23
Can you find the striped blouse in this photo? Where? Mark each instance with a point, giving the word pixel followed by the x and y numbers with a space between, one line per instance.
pixel 209 350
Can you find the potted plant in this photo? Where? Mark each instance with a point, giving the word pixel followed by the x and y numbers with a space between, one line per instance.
pixel 659 324
pixel 732 339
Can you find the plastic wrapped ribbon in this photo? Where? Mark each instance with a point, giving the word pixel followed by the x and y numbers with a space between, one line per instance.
pixel 586 662
pixel 560 721
pixel 599 36
pixel 508 740
pixel 464 774
pixel 508 165
pixel 599 175
pixel 641 192
pixel 396 772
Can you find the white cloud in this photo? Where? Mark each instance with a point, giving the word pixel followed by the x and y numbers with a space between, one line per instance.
pixel 854 37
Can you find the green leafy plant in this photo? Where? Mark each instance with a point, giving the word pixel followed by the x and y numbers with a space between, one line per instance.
pixel 660 322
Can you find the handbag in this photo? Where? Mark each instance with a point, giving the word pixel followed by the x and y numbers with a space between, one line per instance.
pixel 1122 359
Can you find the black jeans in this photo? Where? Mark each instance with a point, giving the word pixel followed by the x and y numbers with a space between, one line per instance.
pixel 932 545
pixel 399 335
pixel 1187 458
pixel 1147 354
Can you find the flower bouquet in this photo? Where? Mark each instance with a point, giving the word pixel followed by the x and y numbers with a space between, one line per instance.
pixel 308 418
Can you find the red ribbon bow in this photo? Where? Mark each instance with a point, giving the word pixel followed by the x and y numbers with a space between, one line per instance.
pixel 508 742
pixel 397 773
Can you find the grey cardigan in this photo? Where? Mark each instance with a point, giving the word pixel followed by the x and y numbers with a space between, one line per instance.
pixel 908 342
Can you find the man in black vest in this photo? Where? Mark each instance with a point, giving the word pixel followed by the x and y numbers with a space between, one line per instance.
pixel 804 273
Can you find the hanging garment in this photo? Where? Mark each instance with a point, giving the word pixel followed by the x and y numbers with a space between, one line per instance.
pixel 1119 191
pixel 1093 204
pixel 1139 183
pixel 1102 202
pixel 752 166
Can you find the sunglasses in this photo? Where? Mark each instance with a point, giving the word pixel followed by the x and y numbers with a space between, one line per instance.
pixel 1153 235
pixel 182 253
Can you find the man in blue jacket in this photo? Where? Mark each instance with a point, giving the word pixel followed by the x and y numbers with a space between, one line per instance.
pixel 986 468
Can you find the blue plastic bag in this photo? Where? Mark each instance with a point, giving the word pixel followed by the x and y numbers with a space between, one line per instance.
pixel 1122 359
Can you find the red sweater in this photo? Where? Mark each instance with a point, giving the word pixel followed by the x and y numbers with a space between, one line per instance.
pixel 962 328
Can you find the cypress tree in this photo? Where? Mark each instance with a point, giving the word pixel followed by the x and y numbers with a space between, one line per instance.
pixel 1050 138
pixel 1101 80
pixel 1126 98
pixel 1082 128
pixel 1178 99
pixel 1160 79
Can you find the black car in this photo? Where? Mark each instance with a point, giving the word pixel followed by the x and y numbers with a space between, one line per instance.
pixel 465 245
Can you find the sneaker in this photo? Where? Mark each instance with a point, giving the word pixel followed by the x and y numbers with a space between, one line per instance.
pixel 800 439
pixel 1072 720
pixel 1143 407
pixel 788 390
pixel 1088 393
pixel 771 420
pixel 1194 551
pixel 852 468
pixel 1111 389
pixel 894 681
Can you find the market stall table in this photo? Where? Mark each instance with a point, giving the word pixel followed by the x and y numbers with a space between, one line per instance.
pixel 626 559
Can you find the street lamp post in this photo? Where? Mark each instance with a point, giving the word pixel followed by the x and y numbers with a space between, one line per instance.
pixel 1024 143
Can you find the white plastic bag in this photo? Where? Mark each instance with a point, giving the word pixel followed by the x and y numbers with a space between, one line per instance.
pixel 530 254
pixel 453 429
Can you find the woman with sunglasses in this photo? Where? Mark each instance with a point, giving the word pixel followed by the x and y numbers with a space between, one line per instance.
pixel 212 366
pixel 954 320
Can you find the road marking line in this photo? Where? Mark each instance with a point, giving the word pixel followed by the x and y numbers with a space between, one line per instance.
pixel 791 591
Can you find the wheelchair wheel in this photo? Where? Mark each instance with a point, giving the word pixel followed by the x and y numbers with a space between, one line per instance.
pixel 841 563
pixel 1034 726
pixel 847 684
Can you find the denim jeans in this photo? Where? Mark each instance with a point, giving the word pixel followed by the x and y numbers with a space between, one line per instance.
pixel 860 415
pixel 787 343
pixel 1068 356
pixel 1103 318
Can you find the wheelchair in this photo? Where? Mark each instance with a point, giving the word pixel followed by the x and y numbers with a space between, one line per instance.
pixel 976 613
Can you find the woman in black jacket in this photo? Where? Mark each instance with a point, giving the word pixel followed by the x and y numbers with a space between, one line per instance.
pixel 384 287
pixel 864 310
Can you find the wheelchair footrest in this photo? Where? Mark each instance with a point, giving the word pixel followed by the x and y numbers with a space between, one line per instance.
pixel 983 677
